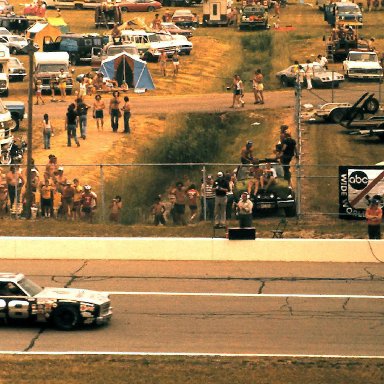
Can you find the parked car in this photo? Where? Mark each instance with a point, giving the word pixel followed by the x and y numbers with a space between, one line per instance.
pixel 173 29
pixel 149 44
pixel 79 46
pixel 362 65
pixel 321 77
pixel 278 195
pixel 139 5
pixel 5 7
pixel 180 43
pixel 184 18
pixel 15 43
pixel 343 13
pixel 65 308
pixel 16 70
pixel 254 16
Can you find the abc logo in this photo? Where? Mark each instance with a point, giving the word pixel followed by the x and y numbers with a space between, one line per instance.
pixel 358 180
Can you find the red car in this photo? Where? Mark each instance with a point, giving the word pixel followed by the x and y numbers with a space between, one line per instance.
pixel 173 29
pixel 139 5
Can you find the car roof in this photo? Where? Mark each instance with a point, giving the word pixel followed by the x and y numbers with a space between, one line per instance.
pixel 10 276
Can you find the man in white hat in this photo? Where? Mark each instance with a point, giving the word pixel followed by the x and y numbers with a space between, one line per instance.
pixel 221 187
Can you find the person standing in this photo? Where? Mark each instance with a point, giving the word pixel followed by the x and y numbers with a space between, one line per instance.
pixel 62 78
pixel 221 187
pixel 207 195
pixel 15 182
pixel 115 208
pixel 39 89
pixel 158 210
pixel 156 23
pixel 175 63
pixel 98 112
pixel 82 111
pixel 308 74
pixel 163 63
pixel 258 87
pixel 47 131
pixel 126 114
pixel 192 195
pixel 179 206
pixel 114 110
pixel 374 216
pixel 288 150
pixel 88 203
pixel 244 209
pixel 46 193
pixel 70 125
pixel 83 88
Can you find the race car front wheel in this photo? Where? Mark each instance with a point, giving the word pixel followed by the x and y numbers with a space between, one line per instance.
pixel 66 318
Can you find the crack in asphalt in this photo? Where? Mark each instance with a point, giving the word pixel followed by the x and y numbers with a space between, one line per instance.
pixel 73 275
pixel 287 306
pixel 346 303
pixel 260 291
pixel 34 339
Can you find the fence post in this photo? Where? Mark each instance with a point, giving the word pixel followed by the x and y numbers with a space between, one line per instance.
pixel 102 191
pixel 333 88
pixel 380 82
pixel 205 195
pixel 299 144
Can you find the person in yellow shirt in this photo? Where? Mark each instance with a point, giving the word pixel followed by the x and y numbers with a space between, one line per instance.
pixel 77 199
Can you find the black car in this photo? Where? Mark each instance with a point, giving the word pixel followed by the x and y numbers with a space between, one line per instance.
pixel 78 46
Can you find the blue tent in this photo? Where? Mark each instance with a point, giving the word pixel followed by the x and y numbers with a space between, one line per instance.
pixel 124 67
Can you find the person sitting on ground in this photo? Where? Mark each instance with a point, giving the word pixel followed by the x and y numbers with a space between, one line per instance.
pixel 269 176
pixel 247 153
pixel 257 178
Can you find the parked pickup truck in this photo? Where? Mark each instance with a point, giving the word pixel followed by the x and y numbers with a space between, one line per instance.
pixel 78 46
pixel 17 111
pixel 362 65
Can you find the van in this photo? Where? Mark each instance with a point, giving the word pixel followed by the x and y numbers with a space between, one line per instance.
pixel 341 14
pixel 47 70
pixel 4 79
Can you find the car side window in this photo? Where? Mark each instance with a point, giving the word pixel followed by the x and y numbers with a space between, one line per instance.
pixel 10 289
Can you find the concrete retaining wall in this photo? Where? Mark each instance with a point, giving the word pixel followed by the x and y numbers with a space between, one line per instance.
pixel 192 249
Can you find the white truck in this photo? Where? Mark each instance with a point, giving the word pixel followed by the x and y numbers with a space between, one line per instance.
pixel 362 65
pixel 4 61
pixel 47 70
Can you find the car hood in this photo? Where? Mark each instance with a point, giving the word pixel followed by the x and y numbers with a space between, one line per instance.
pixel 86 295
pixel 362 64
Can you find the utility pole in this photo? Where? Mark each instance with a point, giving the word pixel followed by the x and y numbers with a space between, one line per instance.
pixel 30 49
pixel 299 143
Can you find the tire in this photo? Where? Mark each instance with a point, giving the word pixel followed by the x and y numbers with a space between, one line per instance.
pixel 187 3
pixel 78 6
pixel 73 59
pixel 124 9
pixel 284 81
pixel 290 211
pixel 16 119
pixel 337 115
pixel 68 91
pixel 371 106
pixel 66 318
pixel 13 51
pixel 150 9
pixel 6 93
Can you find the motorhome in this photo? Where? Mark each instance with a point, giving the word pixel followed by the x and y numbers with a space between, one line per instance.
pixel 4 79
pixel 215 12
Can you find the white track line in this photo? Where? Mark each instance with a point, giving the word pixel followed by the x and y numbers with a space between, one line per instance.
pixel 219 294
pixel 194 354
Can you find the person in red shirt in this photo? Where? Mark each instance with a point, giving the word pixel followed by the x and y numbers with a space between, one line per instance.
pixel 88 203
pixel 374 215
pixel 192 195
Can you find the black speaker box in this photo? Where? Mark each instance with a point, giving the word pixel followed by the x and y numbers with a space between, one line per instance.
pixel 241 233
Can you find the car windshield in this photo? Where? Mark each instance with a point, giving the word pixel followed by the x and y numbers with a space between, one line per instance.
pixel 363 56
pixel 14 61
pixel 29 286
pixel 154 38
pixel 349 9
pixel 16 38
pixel 116 50
pixel 164 37
pixel 51 68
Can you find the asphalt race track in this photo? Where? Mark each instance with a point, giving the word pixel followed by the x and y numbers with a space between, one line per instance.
pixel 161 318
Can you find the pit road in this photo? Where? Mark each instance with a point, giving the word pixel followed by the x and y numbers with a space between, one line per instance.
pixel 222 324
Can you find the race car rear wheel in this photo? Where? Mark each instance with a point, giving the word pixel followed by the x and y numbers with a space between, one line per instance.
pixel 337 115
pixel 66 318
pixel 371 106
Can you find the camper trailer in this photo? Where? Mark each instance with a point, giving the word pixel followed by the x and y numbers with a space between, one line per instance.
pixel 215 12
pixel 4 60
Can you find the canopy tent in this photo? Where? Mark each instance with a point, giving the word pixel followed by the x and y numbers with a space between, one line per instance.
pixel 39 30
pixel 124 67
pixel 58 22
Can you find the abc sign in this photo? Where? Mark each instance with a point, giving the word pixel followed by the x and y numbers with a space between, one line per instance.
pixel 358 180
